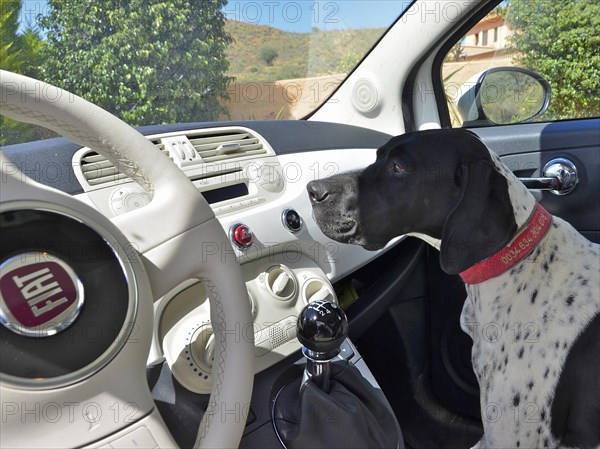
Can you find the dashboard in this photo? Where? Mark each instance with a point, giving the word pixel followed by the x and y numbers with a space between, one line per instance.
pixel 254 175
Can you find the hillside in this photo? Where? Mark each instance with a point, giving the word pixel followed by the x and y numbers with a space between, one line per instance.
pixel 300 55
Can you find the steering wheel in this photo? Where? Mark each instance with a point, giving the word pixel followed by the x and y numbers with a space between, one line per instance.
pixel 67 270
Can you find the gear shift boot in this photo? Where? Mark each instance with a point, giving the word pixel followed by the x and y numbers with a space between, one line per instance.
pixel 333 405
pixel 353 414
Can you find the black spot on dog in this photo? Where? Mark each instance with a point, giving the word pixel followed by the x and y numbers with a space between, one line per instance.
pixel 516 400
pixel 502 348
pixel 546 372
pixel 539 430
pixel 552 257
pixel 545 267
pixel 533 296
pixel 509 308
pixel 584 282
pixel 570 300
pixel 543 414
pixel 556 344
pixel 521 351
pixel 530 385
pixel 518 444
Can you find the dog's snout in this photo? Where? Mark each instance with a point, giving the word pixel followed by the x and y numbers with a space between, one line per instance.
pixel 317 192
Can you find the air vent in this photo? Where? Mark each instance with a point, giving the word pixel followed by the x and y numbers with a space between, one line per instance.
pixel 223 146
pixel 98 170
pixel 187 149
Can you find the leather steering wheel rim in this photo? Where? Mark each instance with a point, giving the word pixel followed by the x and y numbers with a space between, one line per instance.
pixel 178 221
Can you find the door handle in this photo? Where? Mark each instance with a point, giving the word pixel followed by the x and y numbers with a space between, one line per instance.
pixel 559 176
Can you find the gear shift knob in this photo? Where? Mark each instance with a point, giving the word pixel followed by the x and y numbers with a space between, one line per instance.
pixel 321 329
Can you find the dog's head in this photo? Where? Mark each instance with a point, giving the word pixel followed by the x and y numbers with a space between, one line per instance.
pixel 441 183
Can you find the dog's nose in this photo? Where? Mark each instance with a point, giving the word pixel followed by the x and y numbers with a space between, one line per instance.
pixel 317 192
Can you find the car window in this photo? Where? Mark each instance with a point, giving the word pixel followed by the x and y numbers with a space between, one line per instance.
pixel 557 40
pixel 154 62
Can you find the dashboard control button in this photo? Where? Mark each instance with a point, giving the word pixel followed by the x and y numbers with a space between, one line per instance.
pixel 281 283
pixel 128 198
pixel 135 201
pixel 271 179
pixel 241 235
pixel 317 290
pixel 291 220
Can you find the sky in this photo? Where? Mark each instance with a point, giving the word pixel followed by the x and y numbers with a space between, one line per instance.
pixel 302 15
pixel 298 16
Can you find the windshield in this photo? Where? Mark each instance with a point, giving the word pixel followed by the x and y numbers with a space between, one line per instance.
pixel 155 62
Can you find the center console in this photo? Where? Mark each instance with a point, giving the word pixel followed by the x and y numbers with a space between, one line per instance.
pixel 311 384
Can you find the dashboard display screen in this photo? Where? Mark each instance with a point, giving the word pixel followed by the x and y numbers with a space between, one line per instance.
pixel 225 193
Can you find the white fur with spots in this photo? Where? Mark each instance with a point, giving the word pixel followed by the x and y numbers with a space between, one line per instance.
pixel 523 324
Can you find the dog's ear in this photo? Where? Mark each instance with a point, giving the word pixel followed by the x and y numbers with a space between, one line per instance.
pixel 483 220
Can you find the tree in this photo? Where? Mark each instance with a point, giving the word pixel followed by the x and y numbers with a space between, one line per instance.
pixel 31 46
pixel 560 41
pixel 146 61
pixel 268 55
pixel 19 53
pixel 10 58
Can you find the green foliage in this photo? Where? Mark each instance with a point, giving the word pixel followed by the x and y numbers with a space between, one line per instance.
pixel 147 61
pixel 268 55
pixel 32 50
pixel 560 41
pixel 19 53
pixel 10 58
pixel 348 62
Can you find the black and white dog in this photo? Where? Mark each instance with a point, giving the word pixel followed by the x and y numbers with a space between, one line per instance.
pixel 540 385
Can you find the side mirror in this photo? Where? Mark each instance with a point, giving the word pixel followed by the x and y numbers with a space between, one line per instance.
pixel 503 96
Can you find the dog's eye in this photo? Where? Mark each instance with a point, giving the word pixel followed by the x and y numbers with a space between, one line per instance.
pixel 398 168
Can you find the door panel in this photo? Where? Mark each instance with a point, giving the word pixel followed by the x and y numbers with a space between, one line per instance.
pixel 525 149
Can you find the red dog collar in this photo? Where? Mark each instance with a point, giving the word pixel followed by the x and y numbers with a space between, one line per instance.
pixel 517 249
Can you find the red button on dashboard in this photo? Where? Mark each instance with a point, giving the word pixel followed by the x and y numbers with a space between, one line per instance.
pixel 242 235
